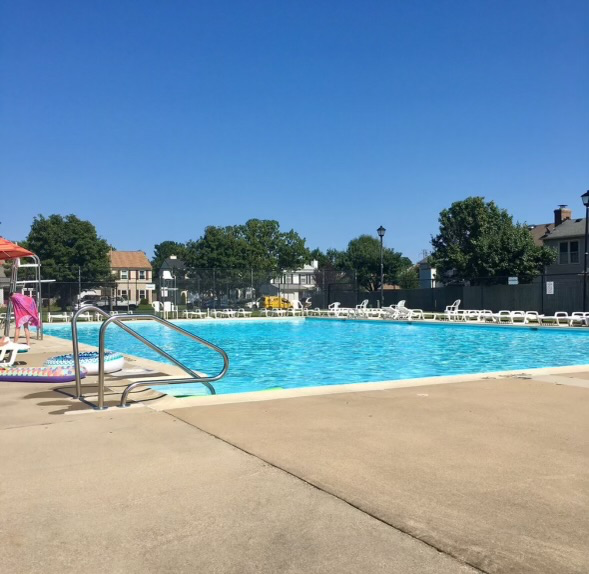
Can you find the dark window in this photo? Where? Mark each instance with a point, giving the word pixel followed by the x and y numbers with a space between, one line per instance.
pixel 574 252
pixel 563 258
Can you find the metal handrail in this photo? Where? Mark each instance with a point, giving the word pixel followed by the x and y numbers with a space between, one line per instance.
pixel 118 320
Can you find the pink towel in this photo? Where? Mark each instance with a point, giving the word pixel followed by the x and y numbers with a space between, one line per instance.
pixel 25 310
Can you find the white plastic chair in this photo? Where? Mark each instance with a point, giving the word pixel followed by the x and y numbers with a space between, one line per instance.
pixel 451 311
pixel 297 309
pixel 9 352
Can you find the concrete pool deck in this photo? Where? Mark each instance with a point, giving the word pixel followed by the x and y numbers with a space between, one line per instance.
pixel 483 475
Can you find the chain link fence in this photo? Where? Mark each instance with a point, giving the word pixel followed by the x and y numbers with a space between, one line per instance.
pixel 219 289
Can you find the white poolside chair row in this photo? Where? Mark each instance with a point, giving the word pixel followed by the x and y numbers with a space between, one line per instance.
pixel 454 313
pixel 362 310
pixel 400 311
pixel 229 313
pixel 297 310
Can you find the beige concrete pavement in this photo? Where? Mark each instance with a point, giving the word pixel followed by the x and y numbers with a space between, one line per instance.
pixel 139 491
pixel 492 472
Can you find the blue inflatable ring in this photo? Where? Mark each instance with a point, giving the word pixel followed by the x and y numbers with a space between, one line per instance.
pixel 112 361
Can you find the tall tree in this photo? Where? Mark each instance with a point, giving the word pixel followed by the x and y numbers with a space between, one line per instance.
pixel 69 248
pixel 258 244
pixel 165 249
pixel 363 256
pixel 479 241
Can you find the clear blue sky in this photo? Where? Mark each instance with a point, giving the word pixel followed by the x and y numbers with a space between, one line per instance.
pixel 154 119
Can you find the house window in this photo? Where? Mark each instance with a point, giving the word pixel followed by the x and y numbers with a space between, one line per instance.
pixel 124 274
pixel 568 252
pixel 123 294
pixel 142 274
pixel 142 295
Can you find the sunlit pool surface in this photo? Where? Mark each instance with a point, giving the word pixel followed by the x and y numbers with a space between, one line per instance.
pixel 269 354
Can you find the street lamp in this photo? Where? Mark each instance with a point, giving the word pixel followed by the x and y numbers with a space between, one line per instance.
pixel 585 199
pixel 381 231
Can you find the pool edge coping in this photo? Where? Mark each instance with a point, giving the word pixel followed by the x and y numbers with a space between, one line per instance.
pixel 170 402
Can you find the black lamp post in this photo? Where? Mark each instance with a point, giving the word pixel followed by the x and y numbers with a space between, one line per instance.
pixel 585 198
pixel 381 231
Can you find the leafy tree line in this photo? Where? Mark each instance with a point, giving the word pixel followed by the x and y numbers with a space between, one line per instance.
pixel 242 255
pixel 476 239
pixel 259 245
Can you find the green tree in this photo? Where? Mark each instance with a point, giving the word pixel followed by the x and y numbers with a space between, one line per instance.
pixel 258 244
pixel 477 240
pixel 247 255
pixel 163 250
pixel 363 256
pixel 409 278
pixel 68 246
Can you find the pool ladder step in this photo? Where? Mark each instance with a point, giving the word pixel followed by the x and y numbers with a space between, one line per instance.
pixel 119 320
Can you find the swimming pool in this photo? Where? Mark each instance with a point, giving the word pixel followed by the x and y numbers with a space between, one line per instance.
pixel 293 353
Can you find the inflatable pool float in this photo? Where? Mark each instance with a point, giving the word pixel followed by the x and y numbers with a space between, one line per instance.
pixel 39 374
pixel 112 361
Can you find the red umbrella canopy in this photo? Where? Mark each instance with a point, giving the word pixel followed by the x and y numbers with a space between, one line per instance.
pixel 9 250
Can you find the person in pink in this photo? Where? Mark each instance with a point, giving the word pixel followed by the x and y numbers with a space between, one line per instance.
pixel 25 314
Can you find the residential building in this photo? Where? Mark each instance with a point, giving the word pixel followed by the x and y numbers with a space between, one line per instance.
pixel 427 274
pixel 133 275
pixel 567 238
pixel 296 285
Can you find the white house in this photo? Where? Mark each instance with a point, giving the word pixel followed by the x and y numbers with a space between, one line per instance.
pixel 297 285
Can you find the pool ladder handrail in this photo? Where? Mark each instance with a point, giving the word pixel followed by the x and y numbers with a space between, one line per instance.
pixel 118 320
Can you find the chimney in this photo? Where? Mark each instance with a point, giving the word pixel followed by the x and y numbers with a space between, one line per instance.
pixel 562 214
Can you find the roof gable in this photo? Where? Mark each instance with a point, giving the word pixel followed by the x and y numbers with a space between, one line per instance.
pixel 129 260
pixel 568 228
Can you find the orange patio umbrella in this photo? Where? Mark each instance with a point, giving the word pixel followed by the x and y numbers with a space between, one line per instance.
pixel 9 250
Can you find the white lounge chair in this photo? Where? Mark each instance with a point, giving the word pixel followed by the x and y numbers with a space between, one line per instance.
pixel 334 309
pixel 558 319
pixel 579 318
pixel 226 313
pixel 406 313
pixel 9 351
pixel 392 311
pixel 532 317
pixel 561 318
pixel 194 314
pixel 58 317
pixel 297 309
pixel 243 313
pixel 87 316
pixel 503 316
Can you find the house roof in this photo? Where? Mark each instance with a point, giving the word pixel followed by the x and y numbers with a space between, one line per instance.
pixel 129 260
pixel 170 263
pixel 568 228
pixel 539 231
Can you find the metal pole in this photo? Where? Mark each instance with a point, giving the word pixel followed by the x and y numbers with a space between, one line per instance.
pixel 381 274
pixel 585 264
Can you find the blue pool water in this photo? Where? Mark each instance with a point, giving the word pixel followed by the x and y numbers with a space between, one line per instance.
pixel 299 353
